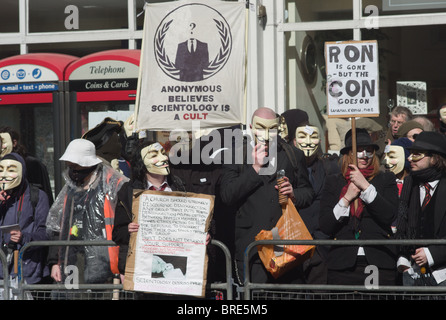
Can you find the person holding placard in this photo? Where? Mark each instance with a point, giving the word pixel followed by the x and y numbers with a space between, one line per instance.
pixel 150 171
pixel 359 203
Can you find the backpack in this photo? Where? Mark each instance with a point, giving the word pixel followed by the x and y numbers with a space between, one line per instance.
pixel 34 196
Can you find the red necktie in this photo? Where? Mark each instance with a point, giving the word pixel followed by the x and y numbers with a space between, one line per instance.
pixel 428 196
pixel 161 188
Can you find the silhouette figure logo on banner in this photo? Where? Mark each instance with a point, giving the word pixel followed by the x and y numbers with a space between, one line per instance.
pixel 205 46
pixel 192 58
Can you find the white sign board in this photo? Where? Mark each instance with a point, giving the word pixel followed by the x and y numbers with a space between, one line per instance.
pixel 352 79
pixel 168 253
pixel 105 69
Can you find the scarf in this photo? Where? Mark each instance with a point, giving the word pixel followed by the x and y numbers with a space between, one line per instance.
pixel 409 207
pixel 366 172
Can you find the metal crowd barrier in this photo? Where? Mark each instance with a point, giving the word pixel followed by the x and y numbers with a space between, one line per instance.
pixel 227 285
pixel 295 291
pixel 5 282
pixel 301 289
pixel 24 287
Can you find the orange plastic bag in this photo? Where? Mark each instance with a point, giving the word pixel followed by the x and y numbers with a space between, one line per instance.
pixel 280 259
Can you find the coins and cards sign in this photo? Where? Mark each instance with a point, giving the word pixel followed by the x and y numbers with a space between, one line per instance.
pixel 104 75
pixel 352 79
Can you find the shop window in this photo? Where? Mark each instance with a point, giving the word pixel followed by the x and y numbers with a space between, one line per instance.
pixel 404 7
pixel 92 113
pixel 9 50
pixel 9 16
pixel 411 57
pixel 319 10
pixel 306 67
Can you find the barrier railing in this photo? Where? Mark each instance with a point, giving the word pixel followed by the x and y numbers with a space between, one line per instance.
pixel 5 281
pixel 23 287
pixel 249 286
pixel 228 266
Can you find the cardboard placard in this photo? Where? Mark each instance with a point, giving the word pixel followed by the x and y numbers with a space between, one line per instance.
pixel 352 79
pixel 168 253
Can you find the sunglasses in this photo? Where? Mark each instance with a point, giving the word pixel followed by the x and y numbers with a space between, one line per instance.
pixel 365 152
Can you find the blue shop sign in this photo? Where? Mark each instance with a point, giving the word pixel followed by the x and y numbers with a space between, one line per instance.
pixel 28 87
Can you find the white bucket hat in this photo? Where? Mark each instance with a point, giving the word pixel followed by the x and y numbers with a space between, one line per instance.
pixel 81 152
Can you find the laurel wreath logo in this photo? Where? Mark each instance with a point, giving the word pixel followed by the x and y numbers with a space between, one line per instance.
pixel 214 66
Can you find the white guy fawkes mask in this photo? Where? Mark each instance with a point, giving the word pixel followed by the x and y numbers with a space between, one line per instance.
pixel 394 158
pixel 10 174
pixel 307 139
pixel 129 125
pixel 6 144
pixel 264 130
pixel 155 159
pixel 443 114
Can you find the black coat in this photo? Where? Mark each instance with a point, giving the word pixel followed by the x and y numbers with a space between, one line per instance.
pixel 438 206
pixel 256 199
pixel 318 170
pixel 439 252
pixel 375 223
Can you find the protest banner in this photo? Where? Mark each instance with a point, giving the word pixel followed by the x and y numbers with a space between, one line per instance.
pixel 192 65
pixel 352 79
pixel 168 253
